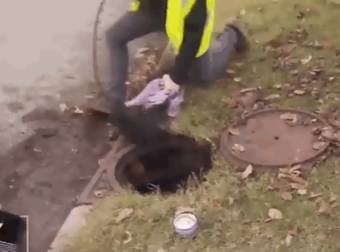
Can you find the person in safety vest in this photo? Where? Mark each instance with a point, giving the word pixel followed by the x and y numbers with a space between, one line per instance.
pixel 189 26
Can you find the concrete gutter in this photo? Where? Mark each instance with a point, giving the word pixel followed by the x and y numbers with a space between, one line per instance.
pixel 71 227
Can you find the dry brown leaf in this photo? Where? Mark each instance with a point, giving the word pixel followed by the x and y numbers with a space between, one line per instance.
pixel 231 200
pixel 231 72
pixel 124 214
pixel 288 240
pixel 313 195
pixel 247 172
pixel 63 107
pixel 238 148
pixel 100 193
pixel 299 92
pixel 37 150
pixel 78 111
pixel 289 117
pixel 294 231
pixel 331 78
pixel 318 145
pixel 307 60
pixel 247 90
pixel 295 168
pixel 327 133
pixel 272 97
pixel 324 208
pixel 298 180
pixel 275 214
pixel 237 79
pixel 128 238
pixel 234 131
pixel 297 186
pixel 332 198
pixel 286 196
pixel 302 191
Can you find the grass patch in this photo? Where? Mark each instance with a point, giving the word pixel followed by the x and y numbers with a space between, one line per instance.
pixel 233 213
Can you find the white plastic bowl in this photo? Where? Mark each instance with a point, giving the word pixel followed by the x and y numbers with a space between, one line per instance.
pixel 185 224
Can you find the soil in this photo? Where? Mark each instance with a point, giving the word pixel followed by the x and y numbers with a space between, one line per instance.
pixel 42 176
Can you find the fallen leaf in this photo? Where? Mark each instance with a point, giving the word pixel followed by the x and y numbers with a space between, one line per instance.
pixel 37 150
pixel 302 191
pixel 307 60
pixel 294 231
pixel 234 131
pixel 298 180
pixel 313 195
pixel 331 78
pixel 100 193
pixel 78 111
pixel 231 72
pixel 237 79
pixel 332 198
pixel 247 90
pixel 124 214
pixel 247 172
pixel 275 214
pixel 288 240
pixel 299 92
pixel 324 208
pixel 63 107
pixel 231 103
pixel 295 169
pixel 272 97
pixel 231 200
pixel 238 148
pixel 128 238
pixel 327 133
pixel 297 186
pixel 289 117
pixel 286 196
pixel 318 145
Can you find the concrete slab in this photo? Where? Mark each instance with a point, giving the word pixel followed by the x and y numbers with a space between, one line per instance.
pixel 73 224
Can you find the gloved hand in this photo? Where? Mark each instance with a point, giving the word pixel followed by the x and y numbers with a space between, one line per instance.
pixel 168 90
pixel 142 99
pixel 157 92
pixel 175 104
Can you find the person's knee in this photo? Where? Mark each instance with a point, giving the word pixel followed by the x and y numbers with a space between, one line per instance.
pixel 114 35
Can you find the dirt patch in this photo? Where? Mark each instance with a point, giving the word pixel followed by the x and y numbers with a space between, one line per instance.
pixel 42 176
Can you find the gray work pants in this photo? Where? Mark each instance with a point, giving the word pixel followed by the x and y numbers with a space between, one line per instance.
pixel 132 25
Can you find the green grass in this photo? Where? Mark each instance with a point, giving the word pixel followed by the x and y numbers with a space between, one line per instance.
pixel 232 212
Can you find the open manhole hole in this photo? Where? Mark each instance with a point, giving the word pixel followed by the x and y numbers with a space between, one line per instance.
pixel 165 167
pixel 274 138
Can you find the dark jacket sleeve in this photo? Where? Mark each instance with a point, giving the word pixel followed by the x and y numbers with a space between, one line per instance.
pixel 193 31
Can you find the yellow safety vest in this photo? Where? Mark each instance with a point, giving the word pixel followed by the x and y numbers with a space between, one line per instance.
pixel 177 11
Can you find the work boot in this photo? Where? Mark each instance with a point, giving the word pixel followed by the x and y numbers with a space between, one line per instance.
pixel 242 44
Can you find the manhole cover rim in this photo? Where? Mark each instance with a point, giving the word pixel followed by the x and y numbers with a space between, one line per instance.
pixel 230 156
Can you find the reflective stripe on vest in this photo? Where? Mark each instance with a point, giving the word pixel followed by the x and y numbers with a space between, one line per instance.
pixel 134 5
pixel 177 11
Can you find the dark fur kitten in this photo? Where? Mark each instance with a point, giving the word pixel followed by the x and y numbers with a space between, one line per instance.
pixel 167 159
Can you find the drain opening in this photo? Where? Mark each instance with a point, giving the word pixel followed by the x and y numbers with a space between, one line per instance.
pixel 166 167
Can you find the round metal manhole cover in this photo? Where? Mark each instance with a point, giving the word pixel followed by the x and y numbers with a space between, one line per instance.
pixel 274 138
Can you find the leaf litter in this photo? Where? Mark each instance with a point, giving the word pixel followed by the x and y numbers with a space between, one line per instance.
pixel 275 214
